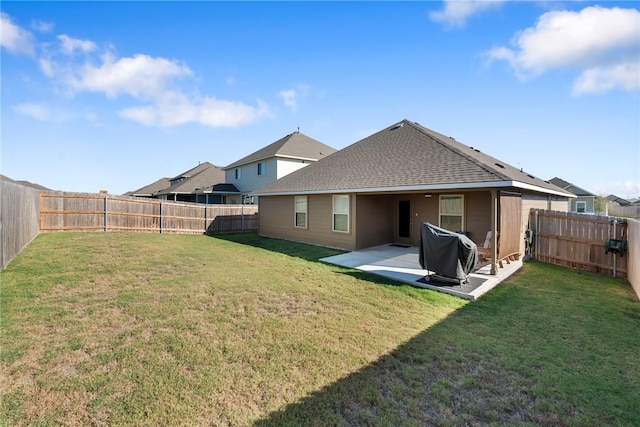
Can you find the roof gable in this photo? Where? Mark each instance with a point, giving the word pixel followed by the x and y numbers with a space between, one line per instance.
pixel 565 185
pixel 404 155
pixel 148 190
pixel 295 145
pixel 203 175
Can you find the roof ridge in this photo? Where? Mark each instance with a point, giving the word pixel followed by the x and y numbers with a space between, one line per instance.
pixel 426 131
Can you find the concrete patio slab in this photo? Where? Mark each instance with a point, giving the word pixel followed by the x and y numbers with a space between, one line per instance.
pixel 402 264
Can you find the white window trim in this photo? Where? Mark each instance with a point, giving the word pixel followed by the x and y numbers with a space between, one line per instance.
pixel 440 210
pixel 333 214
pixel 296 212
pixel 583 203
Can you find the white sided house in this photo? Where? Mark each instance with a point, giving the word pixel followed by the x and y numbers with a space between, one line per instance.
pixel 287 155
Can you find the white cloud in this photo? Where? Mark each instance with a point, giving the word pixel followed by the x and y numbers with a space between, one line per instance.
pixel 292 97
pixel 602 79
pixel 602 43
pixel 140 76
pixel 289 97
pixel 174 108
pixel 36 111
pixel 71 45
pixel 456 12
pixel 622 189
pixel 41 26
pixel 13 38
pixel 77 66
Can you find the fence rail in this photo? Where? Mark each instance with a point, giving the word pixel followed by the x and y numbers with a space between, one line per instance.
pixel 578 241
pixel 103 212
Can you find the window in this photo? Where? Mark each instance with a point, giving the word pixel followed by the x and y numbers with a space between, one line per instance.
pixel 452 213
pixel 341 213
pixel 238 173
pixel 301 212
pixel 261 168
pixel 581 207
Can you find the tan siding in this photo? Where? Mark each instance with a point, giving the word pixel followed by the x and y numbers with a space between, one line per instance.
pixel 478 215
pixel 374 219
pixel 276 220
pixel 560 205
pixel 425 210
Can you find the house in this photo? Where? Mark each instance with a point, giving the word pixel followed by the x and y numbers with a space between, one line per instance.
pixel 24 183
pixel 613 200
pixel 585 202
pixel 286 155
pixel 151 189
pixel 201 184
pixel 619 207
pixel 382 188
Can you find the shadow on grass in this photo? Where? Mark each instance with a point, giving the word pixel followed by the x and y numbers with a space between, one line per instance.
pixel 522 355
pixel 310 253
pixel 300 250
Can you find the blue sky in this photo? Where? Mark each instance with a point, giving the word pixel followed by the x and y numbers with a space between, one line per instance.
pixel 114 96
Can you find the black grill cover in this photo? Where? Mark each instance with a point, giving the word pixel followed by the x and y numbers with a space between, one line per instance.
pixel 447 254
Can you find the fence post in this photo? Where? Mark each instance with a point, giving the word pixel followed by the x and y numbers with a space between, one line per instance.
pixel 206 205
pixel 160 216
pixel 242 217
pixel 537 245
pixel 106 213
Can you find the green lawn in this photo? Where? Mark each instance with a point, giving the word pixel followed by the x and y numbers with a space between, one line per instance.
pixel 124 328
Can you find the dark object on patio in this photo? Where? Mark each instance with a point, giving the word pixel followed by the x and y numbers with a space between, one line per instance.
pixel 450 256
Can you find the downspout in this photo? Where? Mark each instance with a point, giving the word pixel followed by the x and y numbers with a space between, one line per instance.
pixel 494 232
pixel 615 271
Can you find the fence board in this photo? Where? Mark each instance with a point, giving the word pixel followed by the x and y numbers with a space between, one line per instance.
pixel 89 212
pixel 18 218
pixel 578 241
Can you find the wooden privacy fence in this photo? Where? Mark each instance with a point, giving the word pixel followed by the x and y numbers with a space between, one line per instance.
pixel 578 241
pixel 103 212
pixel 18 218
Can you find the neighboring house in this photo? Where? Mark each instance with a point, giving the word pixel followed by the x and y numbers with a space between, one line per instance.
pixel 613 200
pixel 201 184
pixel 619 207
pixel 274 161
pixel 24 183
pixel 151 189
pixel 585 201
pixel 382 188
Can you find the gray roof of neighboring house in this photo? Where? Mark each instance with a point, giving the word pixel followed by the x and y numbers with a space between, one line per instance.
pixel 150 189
pixel 619 200
pixel 219 188
pixel 565 185
pixel 406 157
pixel 295 145
pixel 24 183
pixel 203 175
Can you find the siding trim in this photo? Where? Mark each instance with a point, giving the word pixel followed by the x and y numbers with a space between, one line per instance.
pixel 425 187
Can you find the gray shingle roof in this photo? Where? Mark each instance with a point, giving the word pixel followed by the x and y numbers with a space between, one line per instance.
pixel 295 145
pixel 150 189
pixel 24 183
pixel 565 185
pixel 405 156
pixel 203 175
pixel 219 188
